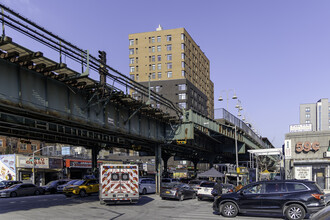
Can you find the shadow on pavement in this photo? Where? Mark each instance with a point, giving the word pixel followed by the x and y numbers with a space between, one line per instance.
pixel 45 201
pixel 142 201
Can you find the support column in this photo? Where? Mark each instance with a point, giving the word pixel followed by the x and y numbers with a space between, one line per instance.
pixel 158 160
pixel 95 152
pixel 195 162
pixel 165 158
pixel 211 159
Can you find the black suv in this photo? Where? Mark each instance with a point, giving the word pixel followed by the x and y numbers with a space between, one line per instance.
pixel 292 198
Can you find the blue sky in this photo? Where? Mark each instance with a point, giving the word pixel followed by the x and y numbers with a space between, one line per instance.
pixel 274 53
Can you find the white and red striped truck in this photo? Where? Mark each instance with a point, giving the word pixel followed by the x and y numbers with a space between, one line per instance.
pixel 119 183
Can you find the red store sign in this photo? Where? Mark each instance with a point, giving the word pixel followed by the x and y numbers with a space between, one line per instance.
pixel 307 146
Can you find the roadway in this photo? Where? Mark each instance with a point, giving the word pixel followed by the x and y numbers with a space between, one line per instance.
pixel 149 207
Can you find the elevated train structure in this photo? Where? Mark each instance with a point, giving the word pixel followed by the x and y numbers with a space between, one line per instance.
pixel 46 100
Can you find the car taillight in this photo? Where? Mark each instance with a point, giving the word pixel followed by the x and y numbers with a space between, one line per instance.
pixel 317 196
pixel 230 190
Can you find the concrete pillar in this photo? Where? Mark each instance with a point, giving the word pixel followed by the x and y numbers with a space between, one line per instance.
pixel 95 152
pixel 165 158
pixel 158 160
pixel 195 162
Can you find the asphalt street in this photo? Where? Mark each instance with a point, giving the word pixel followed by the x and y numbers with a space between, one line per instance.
pixel 149 207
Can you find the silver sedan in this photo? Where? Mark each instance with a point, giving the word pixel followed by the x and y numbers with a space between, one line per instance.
pixel 23 189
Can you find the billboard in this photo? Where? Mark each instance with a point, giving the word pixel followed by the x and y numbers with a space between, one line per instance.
pixel 7 167
pixel 27 162
pixel 301 128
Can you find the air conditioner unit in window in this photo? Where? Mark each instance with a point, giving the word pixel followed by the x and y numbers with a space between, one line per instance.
pixel 326 154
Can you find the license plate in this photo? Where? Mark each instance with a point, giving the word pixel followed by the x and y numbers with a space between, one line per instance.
pixel 120 195
pixel 167 192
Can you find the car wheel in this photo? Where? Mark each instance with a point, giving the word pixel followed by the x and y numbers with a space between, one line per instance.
pixel 194 196
pixel 82 193
pixel 37 192
pixel 144 191
pixel 295 211
pixel 229 209
pixel 181 197
pixel 13 194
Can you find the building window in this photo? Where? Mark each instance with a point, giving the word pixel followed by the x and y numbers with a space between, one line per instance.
pixel 183 73
pixel 159 58
pixel 131 60
pixel 307 109
pixel 23 146
pixel 153 49
pixel 132 77
pixel 131 42
pixel 169 37
pixel 159 38
pixel 169 56
pixel 131 51
pixel 169 74
pixel 137 77
pixel 159 48
pixel 1 143
pixel 153 67
pixel 153 75
pixel 169 47
pixel 169 66
pixel 182 105
pixel 152 39
pixel 33 147
pixel 157 88
pixel 159 66
pixel 182 56
pixel 131 69
pixel 182 96
pixel 182 64
pixel 308 115
pixel 159 75
pixel 153 59
pixel 183 37
pixel 182 46
pixel 182 87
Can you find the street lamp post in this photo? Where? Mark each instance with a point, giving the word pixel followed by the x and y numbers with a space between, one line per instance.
pixel 227 92
pixel 33 166
pixel 236 152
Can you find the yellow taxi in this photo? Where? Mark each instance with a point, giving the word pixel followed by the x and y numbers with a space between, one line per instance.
pixel 82 188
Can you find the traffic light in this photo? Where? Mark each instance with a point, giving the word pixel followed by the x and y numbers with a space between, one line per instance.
pixel 103 57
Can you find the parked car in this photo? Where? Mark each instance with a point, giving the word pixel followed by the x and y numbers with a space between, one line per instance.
pixel 195 184
pixel 61 187
pixel 178 191
pixel 8 183
pixel 51 187
pixel 82 188
pixel 293 198
pixel 22 189
pixel 167 181
pixel 147 185
pixel 204 191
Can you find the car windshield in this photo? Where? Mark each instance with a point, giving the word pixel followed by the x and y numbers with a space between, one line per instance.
pixel 14 186
pixel 195 182
pixel 71 182
pixel 51 183
pixel 79 182
pixel 2 184
pixel 207 184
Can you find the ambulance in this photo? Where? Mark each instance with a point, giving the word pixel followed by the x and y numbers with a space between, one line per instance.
pixel 119 183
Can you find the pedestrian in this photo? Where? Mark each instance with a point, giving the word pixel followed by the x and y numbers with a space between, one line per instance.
pixel 218 187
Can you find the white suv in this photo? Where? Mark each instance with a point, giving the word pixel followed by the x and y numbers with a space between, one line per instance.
pixel 205 190
pixel 147 185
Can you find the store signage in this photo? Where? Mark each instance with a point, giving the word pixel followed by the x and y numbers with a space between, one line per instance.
pixel 287 149
pixel 27 162
pixel 307 146
pixel 301 128
pixel 303 173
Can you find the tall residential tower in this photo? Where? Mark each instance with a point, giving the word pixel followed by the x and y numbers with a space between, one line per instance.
pixel 176 66
pixel 317 114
